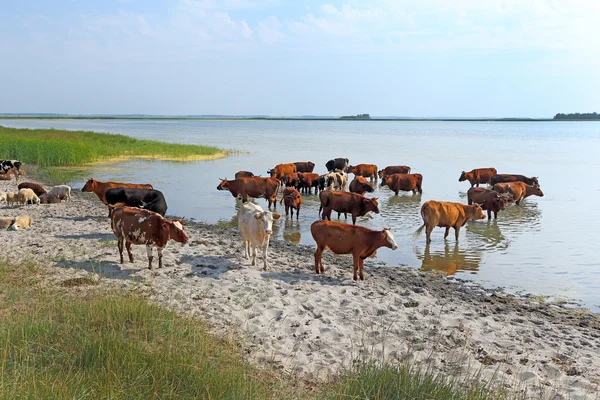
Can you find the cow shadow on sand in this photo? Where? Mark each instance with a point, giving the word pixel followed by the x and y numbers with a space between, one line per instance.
pixel 108 269
pixel 209 266
pixel 81 218
pixel 91 236
pixel 293 277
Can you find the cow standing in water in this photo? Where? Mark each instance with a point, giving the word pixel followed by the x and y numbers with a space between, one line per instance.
pixel 393 169
pixel 447 215
pixel 490 200
pixel 252 187
pixel 478 175
pixel 518 190
pixel 256 227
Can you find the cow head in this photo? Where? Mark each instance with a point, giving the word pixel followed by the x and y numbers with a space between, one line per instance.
pixel 350 169
pixel 499 203
pixel 534 180
pixel 267 217
pixel 463 176
pixel 370 205
pixel 223 185
pixel 175 230
pixel 535 190
pixel 89 186
pixel 477 211
pixel 390 242
pixel 384 180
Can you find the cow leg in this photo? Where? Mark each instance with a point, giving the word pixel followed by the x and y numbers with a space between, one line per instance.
pixel 149 251
pixel 246 245
pixel 361 266
pixel 120 246
pixel 456 232
pixel 447 232
pixel 128 247
pixel 469 201
pixel 495 215
pixel 356 260
pixel 489 214
pixel 297 213
pixel 267 267
pixel 428 230
pixel 253 255
pixel 353 219
pixel 160 251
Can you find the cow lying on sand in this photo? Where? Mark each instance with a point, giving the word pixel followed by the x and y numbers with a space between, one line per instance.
pixel 446 215
pixel 256 227
pixel 341 238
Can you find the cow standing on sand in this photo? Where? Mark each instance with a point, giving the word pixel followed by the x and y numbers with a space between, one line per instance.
pixel 256 226
pixel 518 190
pixel 341 238
pixel 100 188
pixel 138 226
pixel 348 203
pixel 8 167
pixel 489 200
pixel 252 187
pixel 446 215
pixel 478 175
pixel 148 199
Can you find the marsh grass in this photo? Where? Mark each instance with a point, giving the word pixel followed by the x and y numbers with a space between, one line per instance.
pixel 59 148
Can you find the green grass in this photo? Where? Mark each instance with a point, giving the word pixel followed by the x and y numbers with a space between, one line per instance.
pixel 59 148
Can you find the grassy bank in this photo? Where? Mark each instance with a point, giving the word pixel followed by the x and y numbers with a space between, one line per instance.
pixel 60 148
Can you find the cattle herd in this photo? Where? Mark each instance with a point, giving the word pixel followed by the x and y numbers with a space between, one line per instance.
pixel 137 211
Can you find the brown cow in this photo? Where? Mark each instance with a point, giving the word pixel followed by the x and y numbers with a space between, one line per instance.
pixel 405 182
pixel 360 185
pixel 290 180
pixel 282 169
pixel 293 201
pixel 48 198
pixel 518 190
pixel 134 225
pixel 304 166
pixel 243 174
pixel 446 215
pixel 308 180
pixel 100 188
pixel 478 175
pixel 489 200
pixel 393 169
pixel 364 170
pixel 37 188
pixel 341 238
pixel 252 187
pixel 502 178
pixel 345 202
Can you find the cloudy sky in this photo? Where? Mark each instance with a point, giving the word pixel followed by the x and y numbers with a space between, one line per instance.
pixel 460 58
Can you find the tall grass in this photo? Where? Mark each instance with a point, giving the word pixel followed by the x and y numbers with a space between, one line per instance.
pixel 55 148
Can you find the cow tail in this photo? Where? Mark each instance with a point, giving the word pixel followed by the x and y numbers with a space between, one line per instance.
pixel 419 231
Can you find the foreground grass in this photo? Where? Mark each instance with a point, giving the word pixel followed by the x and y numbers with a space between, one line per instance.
pixel 56 148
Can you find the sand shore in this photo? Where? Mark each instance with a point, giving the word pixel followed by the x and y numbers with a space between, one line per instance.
pixel 315 326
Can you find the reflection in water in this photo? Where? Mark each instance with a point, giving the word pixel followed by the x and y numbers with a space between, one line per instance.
pixel 525 213
pixel 490 233
pixel 448 261
pixel 291 231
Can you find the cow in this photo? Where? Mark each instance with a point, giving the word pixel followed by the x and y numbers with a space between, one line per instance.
pixel 8 167
pixel 256 226
pixel 518 190
pixel 62 191
pixel 36 187
pixel 341 238
pixel 148 199
pixel 393 169
pixel 133 225
pixel 252 187
pixel 27 195
pixel 337 163
pixel 477 176
pixel 489 200
pixel 282 169
pixel 20 222
pixel 348 203
pixel 446 215
pixel 364 170
pixel 100 188
pixel 404 182
pixel 12 198
pixel 307 181
pixel 290 180
pixel 304 166
pixel 243 174
pixel 48 198
pixel 293 201
pixel 360 185
pixel 5 177
pixel 336 180
pixel 502 178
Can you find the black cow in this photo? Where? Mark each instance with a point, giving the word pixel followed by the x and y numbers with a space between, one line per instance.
pixel 501 178
pixel 337 163
pixel 148 199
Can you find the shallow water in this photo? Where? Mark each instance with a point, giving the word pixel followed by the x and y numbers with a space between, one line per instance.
pixel 545 246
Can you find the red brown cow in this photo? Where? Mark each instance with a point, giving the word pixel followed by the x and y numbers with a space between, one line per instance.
pixel 290 180
pixel 36 187
pixel 304 166
pixel 100 188
pixel 446 215
pixel 134 225
pixel 252 187
pixel 341 238
pixel 518 190
pixel 347 203
pixel 364 170
pixel 360 185
pixel 308 180
pixel 293 201
pixel 404 182
pixel 489 200
pixel 502 178
pixel 243 174
pixel 394 169
pixel 282 169
pixel 478 175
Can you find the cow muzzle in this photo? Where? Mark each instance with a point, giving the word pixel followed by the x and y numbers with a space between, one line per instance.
pixel 268 232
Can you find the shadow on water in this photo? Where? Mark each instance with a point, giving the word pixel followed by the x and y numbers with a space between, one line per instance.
pixel 450 260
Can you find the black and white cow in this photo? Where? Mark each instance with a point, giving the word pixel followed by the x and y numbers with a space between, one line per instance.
pixel 336 180
pixel 10 166
pixel 337 163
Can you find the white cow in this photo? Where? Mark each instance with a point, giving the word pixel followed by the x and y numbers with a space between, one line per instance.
pixel 63 192
pixel 256 227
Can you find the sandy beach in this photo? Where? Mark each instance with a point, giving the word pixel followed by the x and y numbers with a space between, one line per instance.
pixel 316 326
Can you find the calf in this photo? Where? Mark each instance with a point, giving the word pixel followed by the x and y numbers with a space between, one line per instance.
pixel 341 238
pixel 148 199
pixel 347 203
pixel 282 169
pixel 8 167
pixel 12 198
pixel 304 166
pixel 489 200
pixel 256 227
pixel 364 170
pixel 100 188
pixel 405 182
pixel 137 226
pixel 62 191
pixel 518 190
pixel 243 174
pixel 446 215
pixel 293 201
pixel 501 178
pixel 337 163
pixel 290 180
pixel 36 187
pixel 307 181
pixel 478 175
pixel 360 185
pixel 393 169
pixel 252 187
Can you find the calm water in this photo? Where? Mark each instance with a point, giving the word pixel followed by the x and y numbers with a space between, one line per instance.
pixel 545 246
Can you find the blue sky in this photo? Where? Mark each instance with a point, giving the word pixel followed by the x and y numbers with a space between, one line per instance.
pixel 461 58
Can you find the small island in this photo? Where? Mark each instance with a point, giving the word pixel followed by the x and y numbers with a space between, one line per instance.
pixel 358 116
pixel 577 116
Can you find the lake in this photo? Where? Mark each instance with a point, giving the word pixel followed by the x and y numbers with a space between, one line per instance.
pixel 546 246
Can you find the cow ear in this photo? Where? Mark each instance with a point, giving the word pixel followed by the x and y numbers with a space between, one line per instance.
pixel 276 216
pixel 257 216
pixel 166 225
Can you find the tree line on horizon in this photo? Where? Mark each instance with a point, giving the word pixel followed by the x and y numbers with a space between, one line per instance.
pixel 593 115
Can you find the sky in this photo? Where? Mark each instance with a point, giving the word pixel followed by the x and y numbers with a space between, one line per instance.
pixel 427 58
